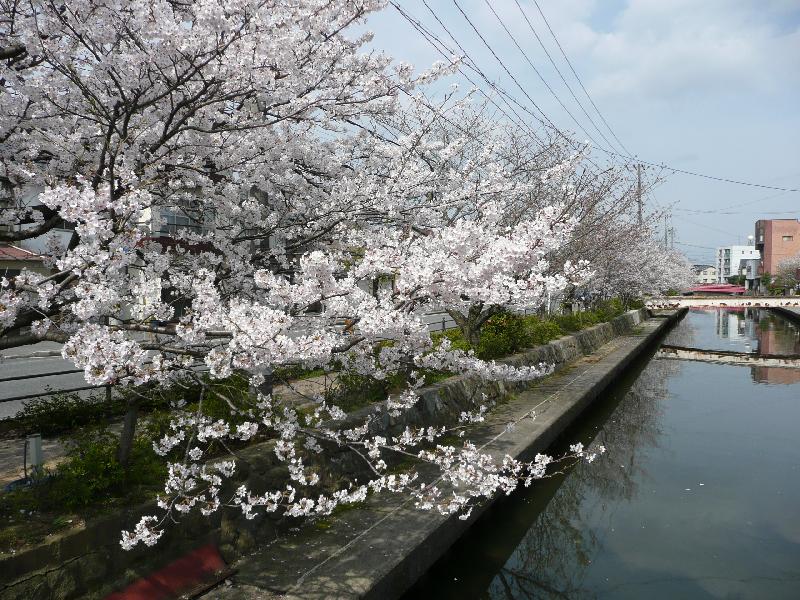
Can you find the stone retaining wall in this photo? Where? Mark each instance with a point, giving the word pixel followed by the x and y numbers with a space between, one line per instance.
pixel 89 563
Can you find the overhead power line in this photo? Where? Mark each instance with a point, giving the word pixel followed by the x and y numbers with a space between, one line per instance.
pixel 544 81
pixel 569 62
pixel 503 65
pixel 448 53
pixel 739 205
pixel 544 119
pixel 715 178
pixel 696 246
pixel 506 97
pixel 566 83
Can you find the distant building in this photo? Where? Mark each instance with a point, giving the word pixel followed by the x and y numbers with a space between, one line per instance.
pixel 729 261
pixel 13 259
pixel 752 268
pixel 777 240
pixel 705 273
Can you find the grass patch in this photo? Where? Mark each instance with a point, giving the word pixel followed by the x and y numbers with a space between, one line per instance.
pixel 89 481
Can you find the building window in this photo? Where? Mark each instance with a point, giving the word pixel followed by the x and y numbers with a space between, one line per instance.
pixel 788 238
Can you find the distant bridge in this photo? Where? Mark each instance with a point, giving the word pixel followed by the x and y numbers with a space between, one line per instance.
pixel 672 302
pixel 726 357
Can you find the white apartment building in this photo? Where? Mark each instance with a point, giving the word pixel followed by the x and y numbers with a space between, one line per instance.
pixel 729 261
pixel 705 273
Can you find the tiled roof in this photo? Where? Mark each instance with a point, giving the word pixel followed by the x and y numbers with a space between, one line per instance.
pixel 9 252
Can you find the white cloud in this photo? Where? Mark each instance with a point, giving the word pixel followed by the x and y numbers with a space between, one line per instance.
pixel 661 49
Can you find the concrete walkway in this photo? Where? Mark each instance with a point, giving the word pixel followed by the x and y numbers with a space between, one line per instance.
pixel 382 549
pixel 38 350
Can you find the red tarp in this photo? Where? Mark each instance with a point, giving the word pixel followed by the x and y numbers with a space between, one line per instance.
pixel 198 567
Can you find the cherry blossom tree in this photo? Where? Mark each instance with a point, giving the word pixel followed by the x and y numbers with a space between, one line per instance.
pixel 302 169
pixel 638 265
pixel 789 271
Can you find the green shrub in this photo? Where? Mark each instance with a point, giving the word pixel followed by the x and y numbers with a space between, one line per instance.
pixel 609 309
pixel 53 414
pixel 541 332
pixel 456 338
pixel 296 372
pixel 91 472
pixel 90 476
pixel 353 391
pixel 576 321
pixel 502 334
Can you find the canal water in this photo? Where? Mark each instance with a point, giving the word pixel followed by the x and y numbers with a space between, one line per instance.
pixel 697 496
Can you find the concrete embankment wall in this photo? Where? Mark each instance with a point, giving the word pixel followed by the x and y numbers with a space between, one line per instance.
pixel 88 562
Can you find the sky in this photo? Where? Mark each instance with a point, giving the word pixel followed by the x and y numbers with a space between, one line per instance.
pixel 711 86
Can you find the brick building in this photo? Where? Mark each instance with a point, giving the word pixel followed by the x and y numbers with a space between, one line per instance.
pixel 777 240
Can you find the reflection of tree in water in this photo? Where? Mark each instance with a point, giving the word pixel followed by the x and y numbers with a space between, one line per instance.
pixel 682 335
pixel 551 559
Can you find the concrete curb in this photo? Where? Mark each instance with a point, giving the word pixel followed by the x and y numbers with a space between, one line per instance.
pixel 380 551
pixel 37 354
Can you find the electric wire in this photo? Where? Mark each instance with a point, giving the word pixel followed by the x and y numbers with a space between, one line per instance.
pixel 561 75
pixel 595 145
pixel 420 27
pixel 574 72
pixel 544 81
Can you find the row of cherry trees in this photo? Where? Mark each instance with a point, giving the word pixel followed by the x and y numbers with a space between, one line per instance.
pixel 309 168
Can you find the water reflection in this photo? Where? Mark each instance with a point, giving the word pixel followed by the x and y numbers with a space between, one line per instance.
pixel 695 498
pixel 551 559
pixel 776 336
pixel 744 330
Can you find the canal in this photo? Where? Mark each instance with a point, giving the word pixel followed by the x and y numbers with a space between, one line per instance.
pixel 697 496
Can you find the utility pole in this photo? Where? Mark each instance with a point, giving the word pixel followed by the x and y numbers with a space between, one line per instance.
pixel 639 190
pixel 666 231
pixel 672 238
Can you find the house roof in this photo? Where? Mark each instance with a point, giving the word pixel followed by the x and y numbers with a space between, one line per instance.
pixel 718 288
pixel 9 252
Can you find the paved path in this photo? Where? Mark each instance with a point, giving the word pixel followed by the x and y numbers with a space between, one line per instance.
pixel 15 367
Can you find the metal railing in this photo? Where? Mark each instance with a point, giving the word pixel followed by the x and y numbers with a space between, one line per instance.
pixel 439 321
pixel 50 392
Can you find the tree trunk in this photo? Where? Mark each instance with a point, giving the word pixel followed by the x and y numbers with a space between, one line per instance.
pixel 569 300
pixel 471 333
pixel 128 431
pixel 472 323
